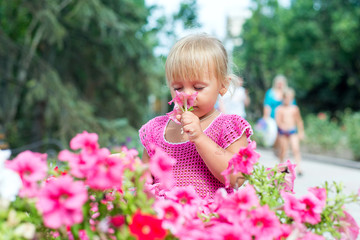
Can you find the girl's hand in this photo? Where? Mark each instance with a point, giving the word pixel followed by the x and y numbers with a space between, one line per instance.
pixel 191 125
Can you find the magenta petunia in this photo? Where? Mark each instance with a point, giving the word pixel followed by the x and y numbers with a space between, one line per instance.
pixel 161 166
pixel 292 206
pixel 348 227
pixel 170 213
pixel 85 141
pixel 242 162
pixel 31 167
pixel 263 223
pixel 290 175
pixel 61 201
pixel 106 173
pixel 182 102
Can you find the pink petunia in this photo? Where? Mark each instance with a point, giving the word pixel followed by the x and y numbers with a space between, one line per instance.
pixel 348 227
pixel 313 208
pixel 31 167
pixel 61 201
pixel 170 213
pixel 306 209
pixel 221 231
pixel 161 165
pixel 292 206
pixel 263 223
pixel 85 141
pixel 182 102
pixel 289 169
pixel 231 206
pixel 242 162
pixel 80 163
pixel 106 173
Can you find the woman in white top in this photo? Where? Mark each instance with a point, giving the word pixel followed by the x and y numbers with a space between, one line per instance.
pixel 235 100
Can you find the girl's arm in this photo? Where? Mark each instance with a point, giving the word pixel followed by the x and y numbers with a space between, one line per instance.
pixel 215 157
pixel 145 157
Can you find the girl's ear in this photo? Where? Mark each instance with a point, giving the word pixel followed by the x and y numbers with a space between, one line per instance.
pixel 222 91
pixel 224 87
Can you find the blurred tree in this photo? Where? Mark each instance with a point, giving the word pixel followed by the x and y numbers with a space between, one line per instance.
pixel 259 57
pixel 313 42
pixel 73 65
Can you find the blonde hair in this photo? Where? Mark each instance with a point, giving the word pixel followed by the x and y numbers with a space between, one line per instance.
pixel 280 78
pixel 289 92
pixel 196 55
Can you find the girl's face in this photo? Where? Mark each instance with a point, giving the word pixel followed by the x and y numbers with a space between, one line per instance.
pixel 208 89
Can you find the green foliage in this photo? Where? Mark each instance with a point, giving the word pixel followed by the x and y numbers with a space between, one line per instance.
pixel 66 65
pixel 313 43
pixel 323 134
pixel 352 129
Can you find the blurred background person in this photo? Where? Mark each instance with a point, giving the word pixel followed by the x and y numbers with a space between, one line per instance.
pixel 290 128
pixel 235 100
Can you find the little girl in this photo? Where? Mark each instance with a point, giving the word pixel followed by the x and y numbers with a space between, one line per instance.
pixel 205 140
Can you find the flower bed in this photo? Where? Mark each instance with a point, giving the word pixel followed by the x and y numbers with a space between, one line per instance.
pixel 98 195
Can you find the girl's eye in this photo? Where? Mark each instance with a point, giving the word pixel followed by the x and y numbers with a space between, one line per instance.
pixel 177 88
pixel 198 88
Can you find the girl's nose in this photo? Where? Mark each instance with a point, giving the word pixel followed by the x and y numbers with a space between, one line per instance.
pixel 189 91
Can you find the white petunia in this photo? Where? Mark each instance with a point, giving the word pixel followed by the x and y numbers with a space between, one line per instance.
pixel 10 181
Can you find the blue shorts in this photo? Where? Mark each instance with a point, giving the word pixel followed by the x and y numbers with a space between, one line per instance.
pixel 287 133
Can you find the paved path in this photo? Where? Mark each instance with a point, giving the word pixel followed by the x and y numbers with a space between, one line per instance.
pixel 317 170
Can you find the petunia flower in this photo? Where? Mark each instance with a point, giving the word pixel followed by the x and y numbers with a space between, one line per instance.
pixel 146 227
pixel 161 166
pixel 10 181
pixel 348 227
pixel 242 162
pixel 182 102
pixel 31 167
pixel 60 201
pixel 289 169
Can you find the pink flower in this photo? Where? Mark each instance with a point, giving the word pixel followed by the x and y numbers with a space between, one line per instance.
pixel 83 235
pixel 31 168
pixel 263 223
pixel 106 173
pixel 348 227
pixel 61 201
pixel 313 208
pixel 86 141
pixel 290 175
pixel 233 204
pixel 172 115
pixel 242 162
pixel 221 231
pixel 319 193
pixel 292 206
pixel 170 213
pixel 182 102
pixel 306 209
pixel 117 220
pixel 79 163
pixel 161 166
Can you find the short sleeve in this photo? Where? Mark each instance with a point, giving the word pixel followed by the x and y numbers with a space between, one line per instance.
pixel 233 128
pixel 146 136
pixel 267 99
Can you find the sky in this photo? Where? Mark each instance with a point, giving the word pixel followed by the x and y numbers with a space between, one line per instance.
pixel 212 13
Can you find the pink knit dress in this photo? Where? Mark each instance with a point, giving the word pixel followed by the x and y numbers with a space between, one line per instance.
pixel 190 169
